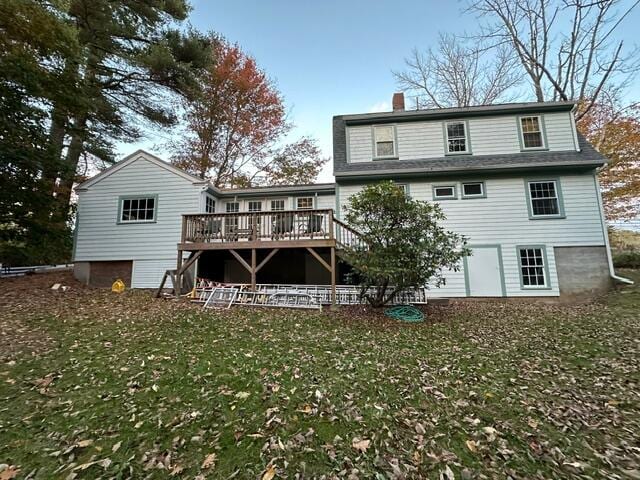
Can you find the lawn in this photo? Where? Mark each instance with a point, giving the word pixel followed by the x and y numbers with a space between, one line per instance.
pixel 100 385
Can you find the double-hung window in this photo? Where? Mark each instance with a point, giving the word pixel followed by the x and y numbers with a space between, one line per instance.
pixel 531 131
pixel 544 199
pixel 139 209
pixel 533 267
pixel 457 141
pixel 384 141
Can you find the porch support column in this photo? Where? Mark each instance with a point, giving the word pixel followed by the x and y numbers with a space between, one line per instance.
pixel 253 269
pixel 333 277
pixel 177 286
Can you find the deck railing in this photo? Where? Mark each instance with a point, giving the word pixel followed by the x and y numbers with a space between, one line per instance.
pixel 258 226
pixel 287 225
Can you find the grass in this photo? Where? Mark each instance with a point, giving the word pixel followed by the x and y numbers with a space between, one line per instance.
pixel 99 385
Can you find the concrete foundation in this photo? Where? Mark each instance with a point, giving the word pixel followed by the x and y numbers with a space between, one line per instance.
pixel 103 274
pixel 582 270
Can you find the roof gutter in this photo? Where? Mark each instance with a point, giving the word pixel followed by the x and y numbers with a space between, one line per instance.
pixel 612 271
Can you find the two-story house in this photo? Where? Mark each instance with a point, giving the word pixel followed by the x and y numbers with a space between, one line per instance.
pixel 516 179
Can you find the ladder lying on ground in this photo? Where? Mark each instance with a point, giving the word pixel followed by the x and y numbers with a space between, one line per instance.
pixel 294 296
pixel 225 296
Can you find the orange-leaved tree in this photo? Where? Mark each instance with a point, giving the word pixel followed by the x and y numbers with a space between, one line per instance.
pixel 232 133
pixel 615 133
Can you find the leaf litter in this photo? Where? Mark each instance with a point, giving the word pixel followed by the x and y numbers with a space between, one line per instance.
pixel 98 385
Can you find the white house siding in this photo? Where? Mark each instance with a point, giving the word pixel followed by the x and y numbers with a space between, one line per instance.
pixel 148 273
pixel 488 136
pixel 152 246
pixel 502 218
pixel 559 129
pixel 360 144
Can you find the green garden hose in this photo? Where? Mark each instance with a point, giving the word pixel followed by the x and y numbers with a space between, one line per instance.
pixel 406 313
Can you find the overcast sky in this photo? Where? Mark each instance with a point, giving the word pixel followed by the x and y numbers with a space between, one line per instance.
pixel 331 57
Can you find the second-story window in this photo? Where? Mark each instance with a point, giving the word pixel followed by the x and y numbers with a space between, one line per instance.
pixel 531 128
pixel 457 137
pixel 384 141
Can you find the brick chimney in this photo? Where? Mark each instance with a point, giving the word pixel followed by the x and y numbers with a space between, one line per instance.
pixel 398 102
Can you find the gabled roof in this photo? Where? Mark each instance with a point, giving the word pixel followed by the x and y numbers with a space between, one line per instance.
pixel 457 112
pixel 129 159
pixel 226 192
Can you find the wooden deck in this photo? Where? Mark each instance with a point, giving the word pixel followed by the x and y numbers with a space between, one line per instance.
pixel 273 230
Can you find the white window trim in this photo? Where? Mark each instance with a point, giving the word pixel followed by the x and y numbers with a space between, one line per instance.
pixel 255 201
pixel 313 203
pixel 558 198
pixel 545 268
pixel 211 198
pixel 467 145
pixel 283 200
pixel 454 196
pixel 226 208
pixel 482 194
pixel 543 139
pixel 394 137
pixel 122 199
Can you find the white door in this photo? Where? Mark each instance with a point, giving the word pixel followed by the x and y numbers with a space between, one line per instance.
pixel 484 272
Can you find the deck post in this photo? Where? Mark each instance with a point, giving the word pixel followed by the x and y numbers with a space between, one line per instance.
pixel 333 277
pixel 253 269
pixel 177 286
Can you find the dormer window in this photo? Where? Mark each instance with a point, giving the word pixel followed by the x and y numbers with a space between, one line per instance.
pixel 384 140
pixel 531 131
pixel 457 141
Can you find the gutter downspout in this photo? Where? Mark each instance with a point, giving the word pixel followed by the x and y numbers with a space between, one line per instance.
pixel 605 232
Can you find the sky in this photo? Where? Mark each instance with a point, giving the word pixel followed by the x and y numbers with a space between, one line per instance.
pixel 331 57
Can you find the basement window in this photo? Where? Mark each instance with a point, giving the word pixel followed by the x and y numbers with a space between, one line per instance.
pixel 533 267
pixel 138 209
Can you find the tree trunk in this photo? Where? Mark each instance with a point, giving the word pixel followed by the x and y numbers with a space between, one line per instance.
pixel 69 168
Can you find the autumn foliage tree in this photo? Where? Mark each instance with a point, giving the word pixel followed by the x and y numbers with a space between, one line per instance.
pixel 615 133
pixel 232 132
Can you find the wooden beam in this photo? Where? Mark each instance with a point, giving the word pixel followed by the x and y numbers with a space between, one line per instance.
pixel 177 279
pixel 245 245
pixel 319 258
pixel 253 269
pixel 190 261
pixel 241 260
pixel 333 277
pixel 268 257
